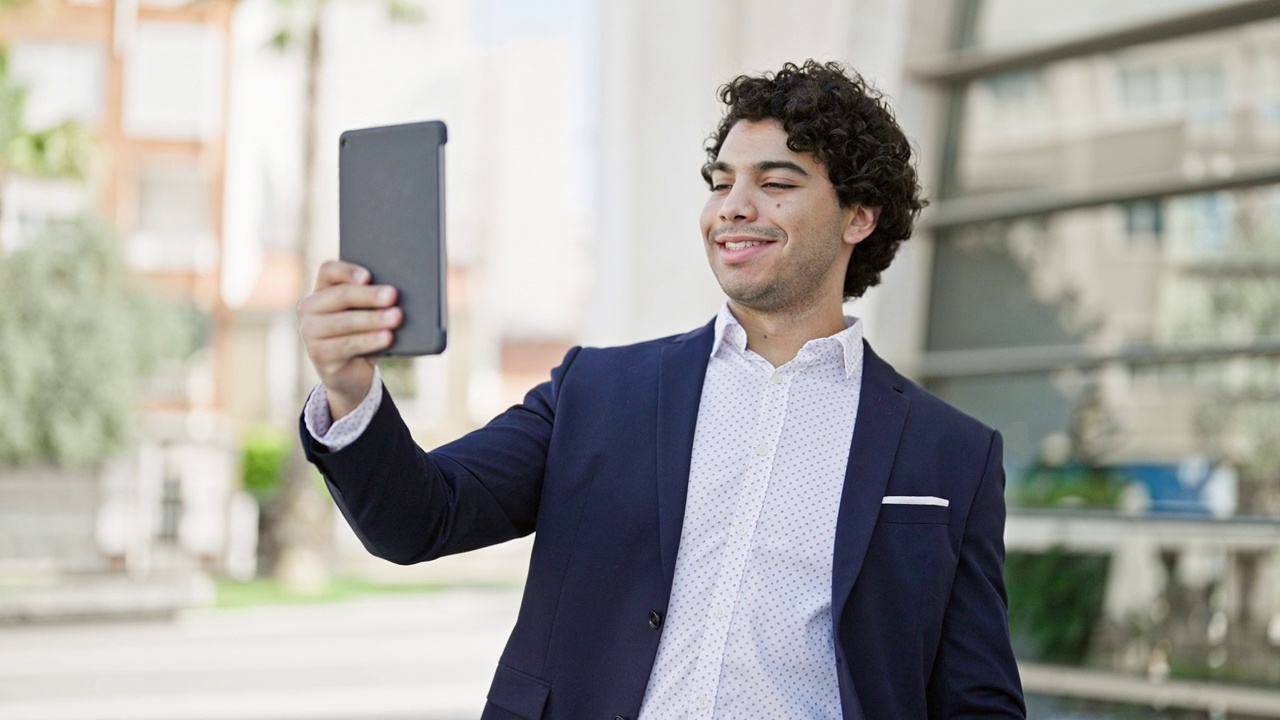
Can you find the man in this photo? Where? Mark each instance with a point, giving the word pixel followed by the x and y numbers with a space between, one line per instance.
pixel 759 518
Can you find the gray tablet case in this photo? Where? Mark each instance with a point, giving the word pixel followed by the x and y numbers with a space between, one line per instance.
pixel 391 221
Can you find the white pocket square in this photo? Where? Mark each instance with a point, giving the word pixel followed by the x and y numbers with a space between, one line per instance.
pixel 916 500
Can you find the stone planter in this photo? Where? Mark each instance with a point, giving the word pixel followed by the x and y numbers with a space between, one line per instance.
pixel 48 519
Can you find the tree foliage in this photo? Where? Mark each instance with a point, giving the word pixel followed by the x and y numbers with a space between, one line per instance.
pixel 78 337
pixel 63 150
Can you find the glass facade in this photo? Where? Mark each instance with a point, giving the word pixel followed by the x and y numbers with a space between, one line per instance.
pixel 1174 273
pixel 1007 24
pixel 1193 107
pixel 1105 290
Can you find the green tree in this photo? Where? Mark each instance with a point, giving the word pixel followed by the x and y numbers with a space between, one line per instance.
pixel 64 150
pixel 78 335
pixel 78 339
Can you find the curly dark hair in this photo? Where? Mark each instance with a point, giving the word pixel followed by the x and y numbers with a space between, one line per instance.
pixel 846 123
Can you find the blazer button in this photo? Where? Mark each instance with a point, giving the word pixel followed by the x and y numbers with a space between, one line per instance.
pixel 655 620
pixel 618 717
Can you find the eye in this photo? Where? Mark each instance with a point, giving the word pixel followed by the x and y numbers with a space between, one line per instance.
pixel 721 186
pixel 778 185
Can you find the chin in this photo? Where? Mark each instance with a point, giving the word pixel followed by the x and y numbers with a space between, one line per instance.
pixel 760 300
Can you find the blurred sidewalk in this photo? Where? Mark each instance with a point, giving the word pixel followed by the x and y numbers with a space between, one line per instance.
pixel 426 656
pixel 50 597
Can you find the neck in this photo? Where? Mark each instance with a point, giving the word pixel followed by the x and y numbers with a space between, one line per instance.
pixel 778 336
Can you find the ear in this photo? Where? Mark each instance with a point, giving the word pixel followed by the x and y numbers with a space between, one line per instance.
pixel 860 221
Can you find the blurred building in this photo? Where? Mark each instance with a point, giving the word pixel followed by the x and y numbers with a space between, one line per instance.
pixel 1104 243
pixel 149 81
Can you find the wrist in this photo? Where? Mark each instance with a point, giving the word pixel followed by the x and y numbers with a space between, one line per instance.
pixel 344 400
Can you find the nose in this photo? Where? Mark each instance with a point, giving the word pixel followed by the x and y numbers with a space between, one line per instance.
pixel 737 205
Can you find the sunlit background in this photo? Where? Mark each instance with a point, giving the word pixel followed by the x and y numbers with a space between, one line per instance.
pixel 1097 277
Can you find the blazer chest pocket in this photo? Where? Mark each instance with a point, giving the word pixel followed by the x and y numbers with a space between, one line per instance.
pixel 915 514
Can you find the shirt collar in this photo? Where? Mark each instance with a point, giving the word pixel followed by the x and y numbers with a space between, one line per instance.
pixel 729 332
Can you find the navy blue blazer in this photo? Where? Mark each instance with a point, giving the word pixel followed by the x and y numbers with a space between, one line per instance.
pixel 597 462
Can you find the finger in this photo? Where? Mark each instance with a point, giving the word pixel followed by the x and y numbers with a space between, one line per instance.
pixel 333 353
pixel 337 272
pixel 331 325
pixel 339 298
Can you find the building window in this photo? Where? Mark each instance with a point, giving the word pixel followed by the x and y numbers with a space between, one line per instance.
pixel 1204 91
pixel 174 224
pixel 1139 88
pixel 64 81
pixel 1144 220
pixel 173 81
pixel 30 205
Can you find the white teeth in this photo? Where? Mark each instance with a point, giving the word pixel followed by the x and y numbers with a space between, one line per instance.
pixel 741 245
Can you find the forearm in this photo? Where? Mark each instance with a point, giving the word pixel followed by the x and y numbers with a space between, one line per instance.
pixel 407 505
pixel 393 500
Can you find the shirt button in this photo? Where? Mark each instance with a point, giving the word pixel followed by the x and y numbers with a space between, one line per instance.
pixel 719 612
pixel 776 379
pixel 741 529
pixel 702 703
pixel 762 450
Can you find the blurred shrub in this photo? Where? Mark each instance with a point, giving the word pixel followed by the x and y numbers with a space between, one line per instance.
pixel 78 337
pixel 398 376
pixel 1055 600
pixel 262 463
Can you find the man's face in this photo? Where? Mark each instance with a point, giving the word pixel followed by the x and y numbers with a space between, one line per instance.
pixel 775 234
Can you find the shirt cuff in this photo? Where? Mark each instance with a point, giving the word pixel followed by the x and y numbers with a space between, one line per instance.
pixel 337 435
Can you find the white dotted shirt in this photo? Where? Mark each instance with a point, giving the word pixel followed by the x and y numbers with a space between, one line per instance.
pixel 748 632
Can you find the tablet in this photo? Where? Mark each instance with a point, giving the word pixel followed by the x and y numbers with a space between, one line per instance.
pixel 391 221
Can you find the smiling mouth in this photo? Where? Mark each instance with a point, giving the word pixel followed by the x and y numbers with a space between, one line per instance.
pixel 740 245
pixel 743 237
pixel 740 250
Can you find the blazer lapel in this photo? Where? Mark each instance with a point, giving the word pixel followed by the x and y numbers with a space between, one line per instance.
pixel 682 369
pixel 882 411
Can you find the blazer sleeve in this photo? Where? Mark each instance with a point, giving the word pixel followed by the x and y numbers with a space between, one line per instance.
pixel 975 662
pixel 408 505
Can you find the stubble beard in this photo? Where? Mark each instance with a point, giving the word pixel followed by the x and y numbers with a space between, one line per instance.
pixel 796 283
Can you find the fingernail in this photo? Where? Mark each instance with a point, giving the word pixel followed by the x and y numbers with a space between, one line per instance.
pixel 360 275
pixel 384 294
pixel 388 314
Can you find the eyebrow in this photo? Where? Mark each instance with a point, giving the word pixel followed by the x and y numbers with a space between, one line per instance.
pixel 761 167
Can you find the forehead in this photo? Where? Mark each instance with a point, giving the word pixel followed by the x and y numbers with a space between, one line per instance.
pixel 750 142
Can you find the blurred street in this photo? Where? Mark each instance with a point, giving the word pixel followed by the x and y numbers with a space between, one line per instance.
pixel 426 656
